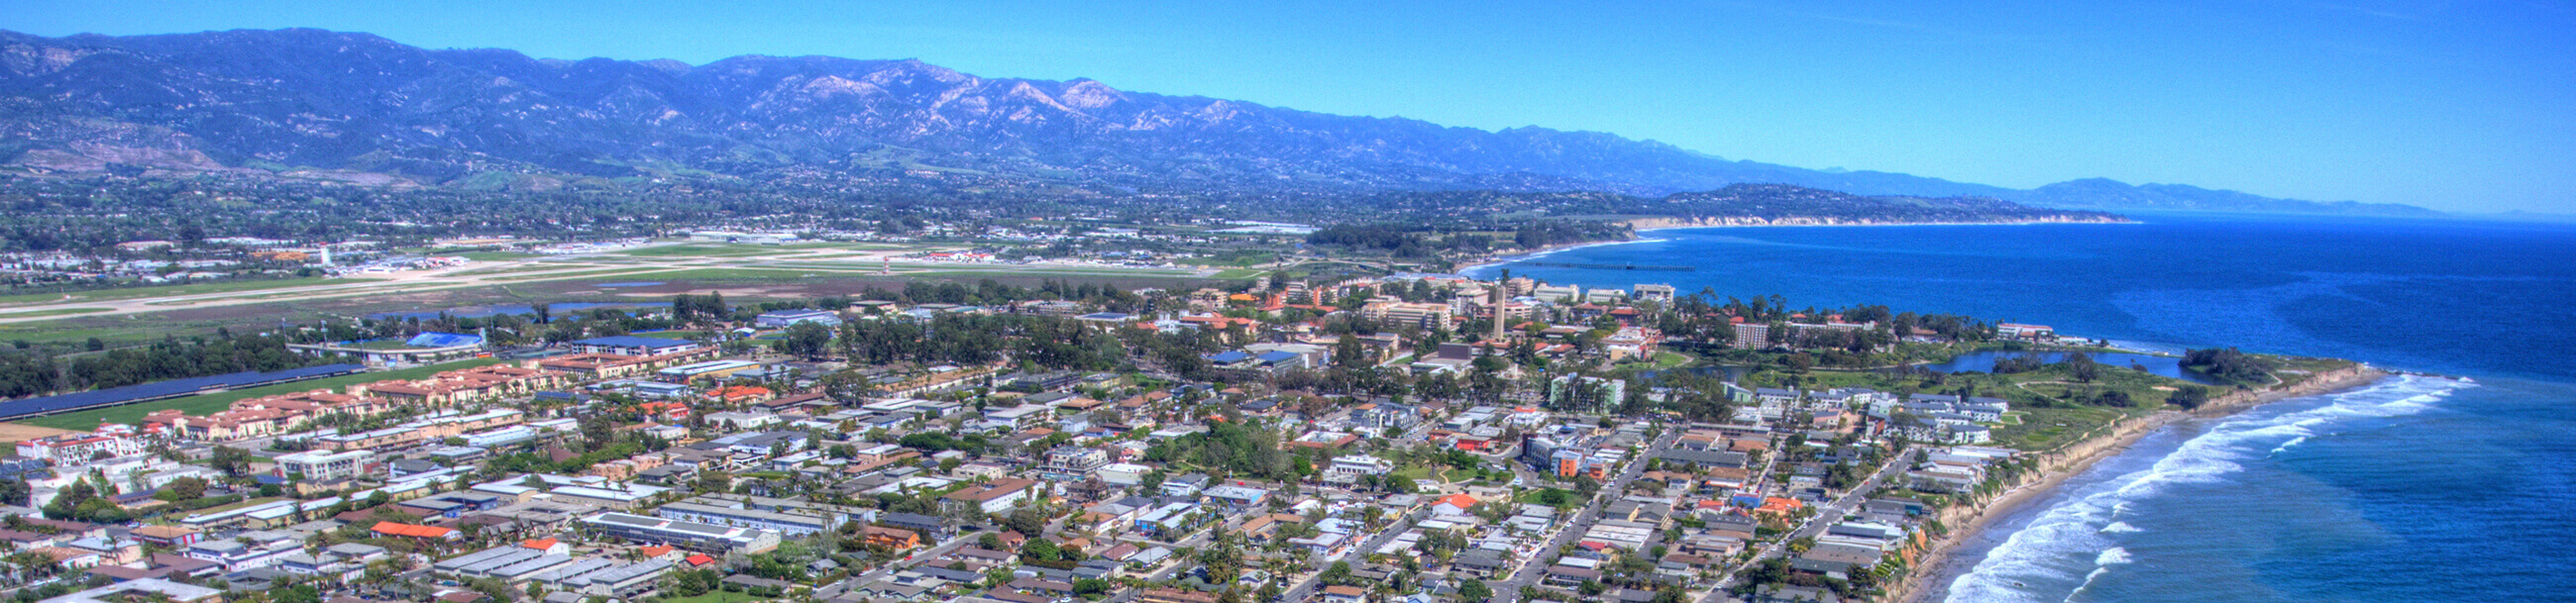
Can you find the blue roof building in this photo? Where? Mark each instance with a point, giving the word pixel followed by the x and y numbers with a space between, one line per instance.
pixel 443 340
pixel 1228 357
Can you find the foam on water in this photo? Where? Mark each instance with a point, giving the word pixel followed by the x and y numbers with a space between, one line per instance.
pixel 2088 581
pixel 2063 547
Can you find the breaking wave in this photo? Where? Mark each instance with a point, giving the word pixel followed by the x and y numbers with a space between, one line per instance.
pixel 2066 547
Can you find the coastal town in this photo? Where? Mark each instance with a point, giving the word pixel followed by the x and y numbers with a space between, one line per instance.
pixel 330 302
pixel 1409 438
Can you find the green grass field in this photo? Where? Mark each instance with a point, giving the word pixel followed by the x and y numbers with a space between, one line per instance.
pixel 946 272
pixel 742 274
pixel 1422 473
pixel 209 403
pixel 1570 500
pixel 1666 360
pixel 53 312
pixel 717 596
pixel 115 329
pixel 378 290
pixel 867 267
pixel 2049 428
pixel 52 330
pixel 673 334
pixel 558 276
pixel 174 290
pixel 711 250
pixel 525 268
pixel 831 246
pixel 1238 273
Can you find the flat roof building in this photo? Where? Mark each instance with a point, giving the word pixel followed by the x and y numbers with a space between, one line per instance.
pixel 629 345
pixel 785 318
pixel 323 465
pixel 684 534
pixel 783 523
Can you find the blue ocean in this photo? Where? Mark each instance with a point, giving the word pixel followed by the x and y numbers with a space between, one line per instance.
pixel 2458 487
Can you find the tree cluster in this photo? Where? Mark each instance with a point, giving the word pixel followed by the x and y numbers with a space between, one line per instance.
pixel 2228 364
pixel 1227 448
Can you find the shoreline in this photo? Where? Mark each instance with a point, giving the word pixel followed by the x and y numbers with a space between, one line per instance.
pixel 1652 225
pixel 1938 559
pixel 1542 251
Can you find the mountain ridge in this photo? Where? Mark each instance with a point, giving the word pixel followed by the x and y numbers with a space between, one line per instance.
pixel 363 108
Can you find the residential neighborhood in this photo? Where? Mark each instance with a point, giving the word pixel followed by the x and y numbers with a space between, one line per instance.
pixel 1411 438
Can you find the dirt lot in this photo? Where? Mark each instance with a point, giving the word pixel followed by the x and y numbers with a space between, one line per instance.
pixel 12 433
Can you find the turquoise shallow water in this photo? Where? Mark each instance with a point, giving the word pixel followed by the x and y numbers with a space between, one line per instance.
pixel 2413 489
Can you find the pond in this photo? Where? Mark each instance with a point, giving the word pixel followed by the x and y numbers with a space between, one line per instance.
pixel 1984 362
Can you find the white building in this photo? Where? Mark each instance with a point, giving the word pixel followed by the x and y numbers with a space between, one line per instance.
pixel 77 448
pixel 324 464
pixel 785 318
pixel 1348 469
pixel 1122 474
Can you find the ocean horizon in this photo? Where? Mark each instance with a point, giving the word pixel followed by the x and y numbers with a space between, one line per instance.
pixel 2413 488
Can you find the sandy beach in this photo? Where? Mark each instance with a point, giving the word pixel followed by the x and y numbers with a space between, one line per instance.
pixel 1647 225
pixel 1928 579
pixel 1492 261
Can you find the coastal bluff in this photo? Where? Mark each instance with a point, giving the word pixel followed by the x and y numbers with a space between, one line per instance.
pixel 1972 514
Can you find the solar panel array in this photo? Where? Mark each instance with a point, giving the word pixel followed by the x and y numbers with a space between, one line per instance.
pixel 441 340
pixel 165 389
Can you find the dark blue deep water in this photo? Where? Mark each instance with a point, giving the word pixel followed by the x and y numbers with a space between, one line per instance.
pixel 2411 489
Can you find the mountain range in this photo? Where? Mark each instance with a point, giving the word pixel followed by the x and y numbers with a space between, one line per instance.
pixel 357 107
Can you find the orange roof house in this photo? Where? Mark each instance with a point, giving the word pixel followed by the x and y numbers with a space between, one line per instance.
pixel 414 531
pixel 548 545
pixel 1779 506
pixel 669 410
pixel 740 393
pixel 892 538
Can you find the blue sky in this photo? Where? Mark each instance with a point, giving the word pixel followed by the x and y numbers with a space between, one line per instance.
pixel 2452 105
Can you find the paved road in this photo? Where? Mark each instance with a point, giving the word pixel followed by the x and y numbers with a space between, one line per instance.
pixel 1201 538
pixel 551 268
pixel 1299 592
pixel 1825 517
pixel 1509 590
pixel 872 576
